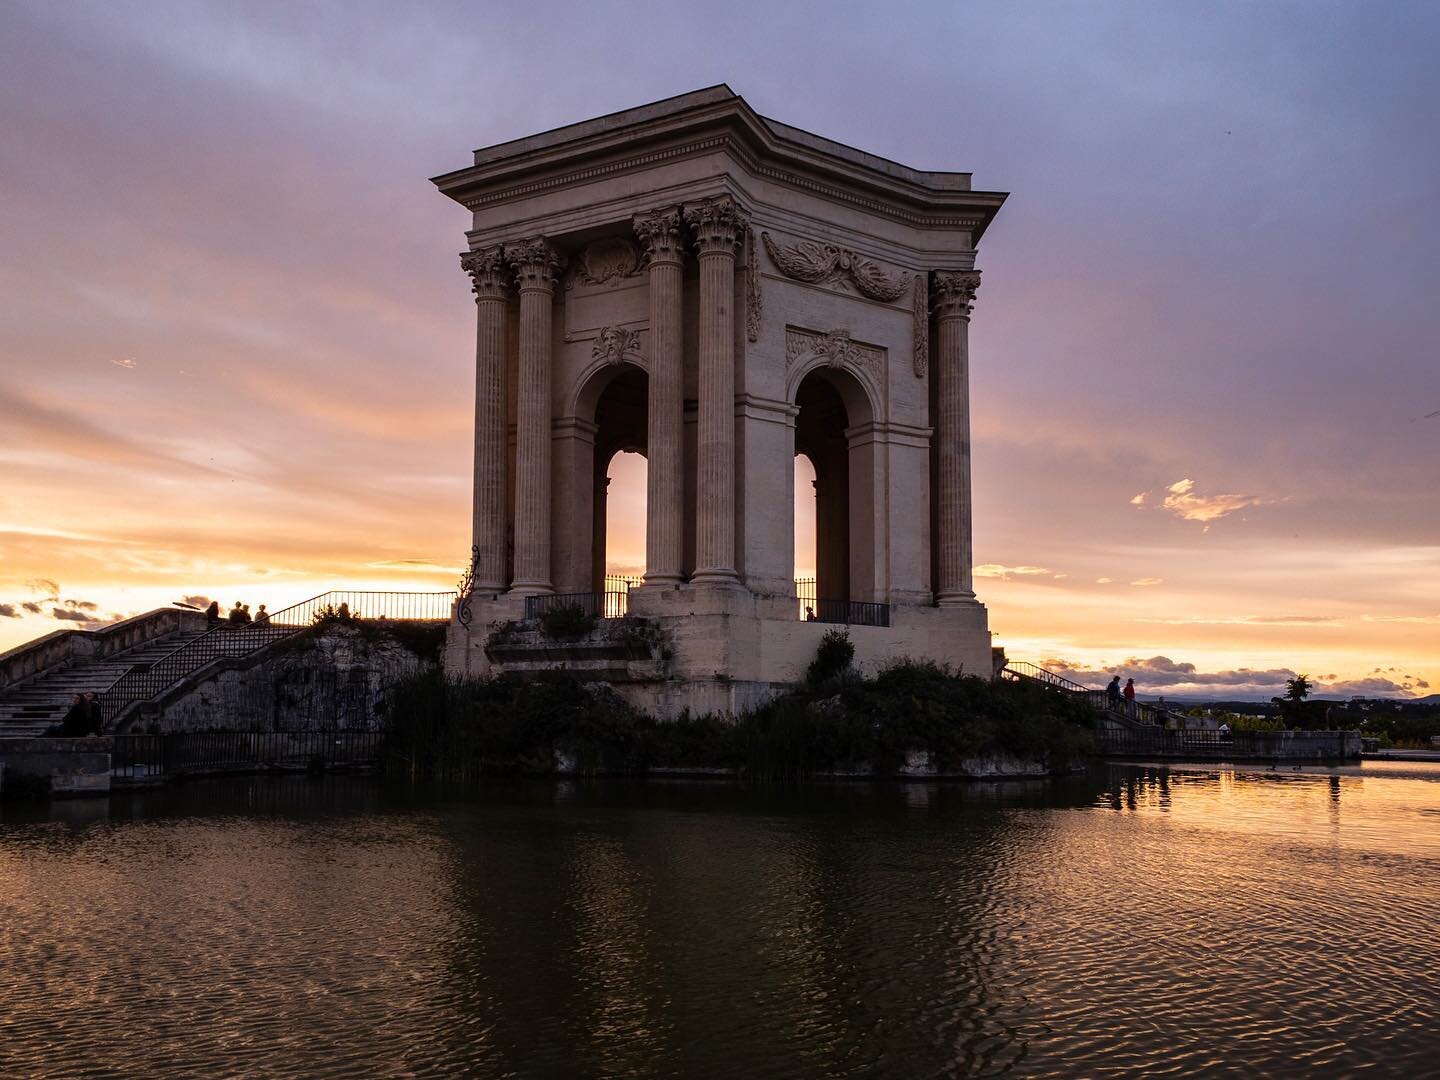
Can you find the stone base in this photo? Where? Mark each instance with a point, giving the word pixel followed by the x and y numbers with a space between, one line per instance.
pixel 717 650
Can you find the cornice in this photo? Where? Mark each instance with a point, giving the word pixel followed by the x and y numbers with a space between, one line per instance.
pixel 638 139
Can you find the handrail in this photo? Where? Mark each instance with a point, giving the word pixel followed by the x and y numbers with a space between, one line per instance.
pixel 1139 712
pixel 227 639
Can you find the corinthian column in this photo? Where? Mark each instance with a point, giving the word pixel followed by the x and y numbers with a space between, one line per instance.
pixel 664 527
pixel 488 277
pixel 536 264
pixel 954 294
pixel 718 224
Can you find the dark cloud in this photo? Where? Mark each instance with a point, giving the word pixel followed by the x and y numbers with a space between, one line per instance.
pixel 34 609
pixel 68 615
pixel 1159 674
pixel 196 601
pixel 82 605
pixel 8 611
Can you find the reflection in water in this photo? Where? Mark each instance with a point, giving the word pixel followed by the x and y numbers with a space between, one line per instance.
pixel 1148 918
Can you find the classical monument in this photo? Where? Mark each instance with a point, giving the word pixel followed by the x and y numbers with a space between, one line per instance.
pixel 719 292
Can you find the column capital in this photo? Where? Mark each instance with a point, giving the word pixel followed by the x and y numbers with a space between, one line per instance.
pixel 537 263
pixel 489 276
pixel 718 223
pixel 954 292
pixel 662 234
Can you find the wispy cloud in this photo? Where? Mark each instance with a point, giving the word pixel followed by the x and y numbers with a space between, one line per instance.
pixel 9 611
pixel 1186 502
pixel 1252 620
pixel 1006 573
pixel 1145 582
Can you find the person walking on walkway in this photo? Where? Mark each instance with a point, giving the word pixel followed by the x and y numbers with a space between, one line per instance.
pixel 1130 696
pixel 1112 693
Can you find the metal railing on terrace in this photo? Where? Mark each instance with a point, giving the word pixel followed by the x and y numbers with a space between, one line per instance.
pixel 142 757
pixel 849 612
pixel 143 682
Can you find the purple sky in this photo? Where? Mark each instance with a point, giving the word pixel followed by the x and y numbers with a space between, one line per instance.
pixel 236 345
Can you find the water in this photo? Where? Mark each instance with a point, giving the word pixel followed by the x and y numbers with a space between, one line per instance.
pixel 1158 922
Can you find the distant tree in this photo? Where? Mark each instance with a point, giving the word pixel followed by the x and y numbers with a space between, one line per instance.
pixel 1295 711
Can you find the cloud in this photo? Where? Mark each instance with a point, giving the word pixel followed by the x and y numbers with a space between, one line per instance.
pixel 127 362
pixel 68 615
pixel 196 601
pixel 45 587
pixel 1162 675
pixel 1148 581
pixel 1182 500
pixel 81 605
pixel 1254 620
pixel 1005 573
pixel 1104 581
pixel 8 611
pixel 1372 687
pixel 1424 619
pixel 33 608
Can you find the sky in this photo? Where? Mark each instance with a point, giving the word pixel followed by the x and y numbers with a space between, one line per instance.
pixel 236 348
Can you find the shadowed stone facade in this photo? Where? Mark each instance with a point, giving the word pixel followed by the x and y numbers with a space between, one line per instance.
pixel 720 292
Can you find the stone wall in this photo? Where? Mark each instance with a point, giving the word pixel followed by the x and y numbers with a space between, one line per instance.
pixel 62 767
pixel 331 679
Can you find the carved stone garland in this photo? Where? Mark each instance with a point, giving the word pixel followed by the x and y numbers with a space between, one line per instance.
pixel 920 306
pixel 820 264
pixel 837 350
pixel 605 262
pixel 754 302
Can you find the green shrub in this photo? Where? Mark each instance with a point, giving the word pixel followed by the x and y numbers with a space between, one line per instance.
pixel 834 657
pixel 457 727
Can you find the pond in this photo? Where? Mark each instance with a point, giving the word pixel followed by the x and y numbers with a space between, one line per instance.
pixel 1180 920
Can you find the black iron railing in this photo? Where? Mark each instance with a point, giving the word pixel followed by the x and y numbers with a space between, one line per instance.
pixel 805 597
pixel 849 612
pixel 141 683
pixel 141 757
pixel 617 594
pixel 1137 712
pixel 590 603
pixel 612 603
pixel 1017 670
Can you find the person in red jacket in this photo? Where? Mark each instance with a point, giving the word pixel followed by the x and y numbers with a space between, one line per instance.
pixel 1129 693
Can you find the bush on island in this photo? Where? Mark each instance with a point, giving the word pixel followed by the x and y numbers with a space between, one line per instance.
pixel 440 726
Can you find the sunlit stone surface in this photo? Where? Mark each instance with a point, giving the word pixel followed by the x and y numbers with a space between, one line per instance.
pixel 1183 922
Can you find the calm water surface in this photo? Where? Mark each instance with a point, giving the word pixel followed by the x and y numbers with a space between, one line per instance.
pixel 1136 920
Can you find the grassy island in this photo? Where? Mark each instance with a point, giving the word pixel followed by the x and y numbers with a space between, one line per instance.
pixel 838 722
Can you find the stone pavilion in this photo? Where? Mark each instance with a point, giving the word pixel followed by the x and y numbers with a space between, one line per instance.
pixel 719 292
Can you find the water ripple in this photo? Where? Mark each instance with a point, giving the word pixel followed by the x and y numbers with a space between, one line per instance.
pixel 1137 921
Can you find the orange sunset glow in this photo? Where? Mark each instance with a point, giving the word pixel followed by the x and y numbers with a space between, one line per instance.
pixel 238 353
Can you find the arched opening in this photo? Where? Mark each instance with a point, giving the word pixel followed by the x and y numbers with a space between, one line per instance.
pixel 622 535
pixel 616 540
pixel 805 549
pixel 830 435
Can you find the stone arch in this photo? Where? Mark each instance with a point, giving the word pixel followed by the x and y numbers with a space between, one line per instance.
pixel 863 391
pixel 608 415
pixel 834 416
pixel 614 347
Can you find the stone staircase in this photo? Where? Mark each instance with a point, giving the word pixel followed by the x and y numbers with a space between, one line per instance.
pixel 29 707
pixel 1134 715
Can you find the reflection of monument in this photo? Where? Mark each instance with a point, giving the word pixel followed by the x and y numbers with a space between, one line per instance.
pixel 722 292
